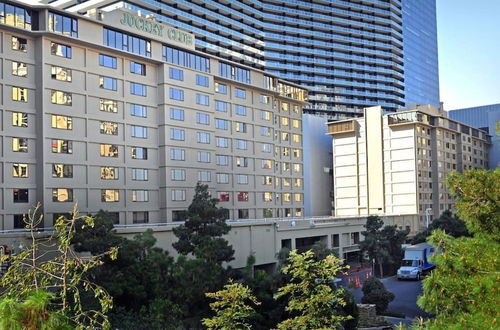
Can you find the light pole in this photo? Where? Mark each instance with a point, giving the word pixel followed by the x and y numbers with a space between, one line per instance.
pixel 427 216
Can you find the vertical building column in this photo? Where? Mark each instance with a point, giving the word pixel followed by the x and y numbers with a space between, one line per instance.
pixel 375 159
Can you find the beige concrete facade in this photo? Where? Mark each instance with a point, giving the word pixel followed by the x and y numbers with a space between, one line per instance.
pixel 131 131
pixel 396 164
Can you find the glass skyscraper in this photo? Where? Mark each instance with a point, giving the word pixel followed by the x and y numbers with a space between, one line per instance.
pixel 349 54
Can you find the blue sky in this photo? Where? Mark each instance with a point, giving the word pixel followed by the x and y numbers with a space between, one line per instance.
pixel 469 52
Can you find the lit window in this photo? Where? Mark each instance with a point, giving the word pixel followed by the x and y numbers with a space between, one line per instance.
pixel 62 146
pixel 139 153
pixel 19 69
pixel 240 127
pixel 265 115
pixel 265 99
pixel 20 94
pixel 19 44
pixel 109 150
pixel 285 107
pixel 62 122
pixel 241 162
pixel 140 195
pixel 220 88
pixel 224 196
pixel 139 174
pixel 20 119
pixel 19 144
pixel 62 195
pixel 287 197
pixel 296 138
pixel 267 180
pixel 243 196
pixel 285 136
pixel 267 164
pixel 20 170
pixel 107 61
pixel 296 153
pixel 296 123
pixel 137 68
pixel 267 197
pixel 298 197
pixel 178 174
pixel 60 97
pixel 62 171
pixel 297 167
pixel 108 128
pixel 108 83
pixel 109 173
pixel 61 74
pixel 297 182
pixel 110 195
pixel 60 50
pixel 107 105
pixel 286 182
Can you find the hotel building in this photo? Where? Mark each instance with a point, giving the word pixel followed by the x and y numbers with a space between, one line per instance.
pixel 396 164
pixel 119 112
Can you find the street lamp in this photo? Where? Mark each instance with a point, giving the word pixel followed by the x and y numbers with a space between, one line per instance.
pixel 427 216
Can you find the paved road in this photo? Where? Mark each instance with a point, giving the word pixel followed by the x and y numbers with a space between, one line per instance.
pixel 406 293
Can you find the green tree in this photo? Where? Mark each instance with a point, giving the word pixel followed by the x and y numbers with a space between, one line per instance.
pixel 51 265
pixel 312 301
pixel 383 244
pixel 232 307
pixel 448 222
pixel 463 289
pixel 374 292
pixel 201 233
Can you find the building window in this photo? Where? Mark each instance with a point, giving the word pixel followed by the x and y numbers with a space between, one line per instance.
pixel 222 178
pixel 139 131
pixel 108 128
pixel 138 68
pixel 62 195
pixel 138 110
pixel 186 59
pixel 138 89
pixel 222 142
pixel 62 122
pixel 203 157
pixel 241 162
pixel 62 171
pixel 60 97
pixel 109 150
pixel 265 99
pixel 201 80
pixel 202 118
pixel 109 173
pixel 241 144
pixel 285 121
pixel 287 197
pixel 62 146
pixel 19 144
pixel 265 115
pixel 107 61
pixel 21 195
pixel 176 114
pixel 265 131
pixel 126 42
pixel 221 106
pixel 298 197
pixel 20 94
pixel 140 195
pixel 296 138
pixel 297 182
pixel 224 196
pixel 139 153
pixel 19 44
pixel 296 153
pixel 20 170
pixel 177 134
pixel 268 213
pixel 297 168
pixel 222 160
pixel 19 119
pixel 176 74
pixel 220 88
pixel 178 174
pixel 139 174
pixel 243 196
pixel 267 196
pixel 108 83
pixel 107 105
pixel 176 94
pixel 222 124
pixel 296 123
pixel 60 50
pixel 19 221
pixel 179 215
pixel 19 69
pixel 266 147
pixel 178 195
pixel 65 25
pixel 202 137
pixel 140 217
pixel 267 164
pixel 233 72
pixel 202 99
pixel 177 154
pixel 240 127
pixel 240 93
pixel 243 213
pixel 15 16
pixel 242 179
pixel 61 74
pixel 204 176
pixel 285 136
pixel 240 110
pixel 110 195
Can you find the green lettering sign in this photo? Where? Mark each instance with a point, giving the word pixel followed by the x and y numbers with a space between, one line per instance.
pixel 156 29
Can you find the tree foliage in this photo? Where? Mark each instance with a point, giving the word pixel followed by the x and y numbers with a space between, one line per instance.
pixel 202 231
pixel 463 289
pixel 447 222
pixel 312 302
pixel 232 306
pixel 51 265
pixel 374 292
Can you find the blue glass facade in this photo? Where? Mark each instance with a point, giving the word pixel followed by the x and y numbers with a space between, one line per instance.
pixel 348 53
pixel 420 52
